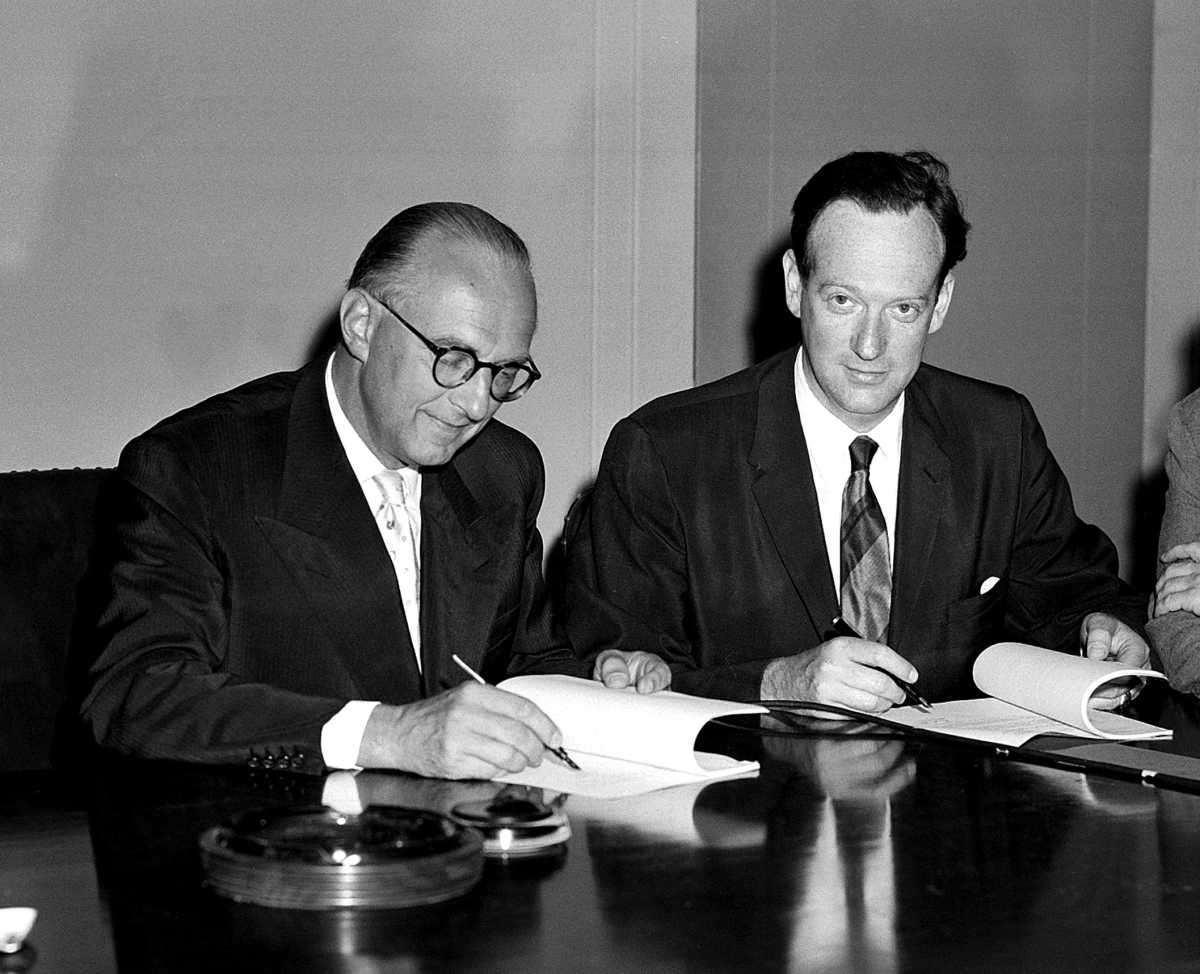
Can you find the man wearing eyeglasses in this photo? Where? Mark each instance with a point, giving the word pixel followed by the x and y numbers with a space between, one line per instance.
pixel 298 559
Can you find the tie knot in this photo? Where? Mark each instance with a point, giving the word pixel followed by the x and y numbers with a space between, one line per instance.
pixel 861 451
pixel 391 483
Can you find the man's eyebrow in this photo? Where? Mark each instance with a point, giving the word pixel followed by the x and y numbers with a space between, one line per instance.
pixel 911 299
pixel 450 342
pixel 827 285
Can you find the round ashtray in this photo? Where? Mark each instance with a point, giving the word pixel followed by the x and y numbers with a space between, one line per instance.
pixel 515 827
pixel 317 858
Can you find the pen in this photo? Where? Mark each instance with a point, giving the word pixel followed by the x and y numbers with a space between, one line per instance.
pixel 558 752
pixel 843 628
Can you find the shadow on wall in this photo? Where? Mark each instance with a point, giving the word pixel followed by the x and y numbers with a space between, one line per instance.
pixel 771 327
pixel 326 336
pixel 1150 492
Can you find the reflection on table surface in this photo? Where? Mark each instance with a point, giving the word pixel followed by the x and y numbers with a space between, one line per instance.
pixel 851 851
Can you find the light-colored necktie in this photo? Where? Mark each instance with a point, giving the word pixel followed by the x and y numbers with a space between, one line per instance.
pixel 399 519
pixel 866 562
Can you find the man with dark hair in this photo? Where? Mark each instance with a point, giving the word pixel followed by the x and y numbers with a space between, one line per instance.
pixel 298 559
pixel 732 524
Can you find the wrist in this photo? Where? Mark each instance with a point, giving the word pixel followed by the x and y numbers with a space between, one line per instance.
pixel 773 685
pixel 380 746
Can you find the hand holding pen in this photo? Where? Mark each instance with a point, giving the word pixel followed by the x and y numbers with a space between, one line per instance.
pixel 842 628
pixel 558 752
pixel 469 731
pixel 844 670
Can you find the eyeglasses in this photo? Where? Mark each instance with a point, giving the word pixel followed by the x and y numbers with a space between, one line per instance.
pixel 454 366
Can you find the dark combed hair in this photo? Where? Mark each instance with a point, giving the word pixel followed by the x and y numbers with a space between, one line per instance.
pixel 394 246
pixel 880 182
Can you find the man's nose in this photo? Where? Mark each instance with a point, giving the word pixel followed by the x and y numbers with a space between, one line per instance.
pixel 474 397
pixel 870 340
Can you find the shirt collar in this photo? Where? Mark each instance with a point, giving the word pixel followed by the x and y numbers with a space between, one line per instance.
pixel 363 462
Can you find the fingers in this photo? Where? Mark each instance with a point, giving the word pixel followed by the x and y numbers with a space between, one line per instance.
pixel 1183 568
pixel 886 659
pixel 878 667
pixel 1187 550
pixel 1178 588
pixel 612 669
pixel 1097 635
pixel 472 731
pixel 646 672
pixel 651 671
pixel 844 671
pixel 1106 637
pixel 520 715
pixel 1131 649
pixel 1114 695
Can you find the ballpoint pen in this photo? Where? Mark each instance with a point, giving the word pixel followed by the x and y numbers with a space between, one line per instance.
pixel 843 628
pixel 558 752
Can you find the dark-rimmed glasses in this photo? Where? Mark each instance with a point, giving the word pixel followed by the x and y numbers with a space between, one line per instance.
pixel 454 366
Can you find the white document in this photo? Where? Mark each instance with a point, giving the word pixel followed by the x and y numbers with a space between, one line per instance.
pixel 1033 691
pixel 625 742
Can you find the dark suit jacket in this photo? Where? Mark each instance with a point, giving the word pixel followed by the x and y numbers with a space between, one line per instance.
pixel 702 539
pixel 252 596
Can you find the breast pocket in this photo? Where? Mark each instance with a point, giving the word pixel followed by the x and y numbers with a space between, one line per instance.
pixel 978 621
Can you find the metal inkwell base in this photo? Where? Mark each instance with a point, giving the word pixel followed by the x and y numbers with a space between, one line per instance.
pixel 317 858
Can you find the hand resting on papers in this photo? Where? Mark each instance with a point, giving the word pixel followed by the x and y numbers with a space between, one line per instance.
pixel 646 672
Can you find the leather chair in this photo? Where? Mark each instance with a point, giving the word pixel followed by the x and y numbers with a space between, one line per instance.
pixel 48 531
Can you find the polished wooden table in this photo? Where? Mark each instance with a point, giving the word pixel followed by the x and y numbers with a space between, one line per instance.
pixel 849 852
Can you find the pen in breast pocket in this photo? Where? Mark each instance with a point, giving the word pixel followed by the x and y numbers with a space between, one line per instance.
pixel 843 628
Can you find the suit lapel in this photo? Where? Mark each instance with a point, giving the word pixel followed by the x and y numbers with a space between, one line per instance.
pixel 326 535
pixel 458 567
pixel 786 494
pixel 922 499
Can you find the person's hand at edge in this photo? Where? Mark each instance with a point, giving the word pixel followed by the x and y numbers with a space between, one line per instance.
pixel 646 672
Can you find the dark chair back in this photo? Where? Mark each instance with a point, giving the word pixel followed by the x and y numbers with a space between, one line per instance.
pixel 48 532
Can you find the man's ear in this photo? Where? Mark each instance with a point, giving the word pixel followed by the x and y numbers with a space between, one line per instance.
pixel 357 323
pixel 793 284
pixel 942 304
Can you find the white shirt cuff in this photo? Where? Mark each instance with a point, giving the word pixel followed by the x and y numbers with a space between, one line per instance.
pixel 342 734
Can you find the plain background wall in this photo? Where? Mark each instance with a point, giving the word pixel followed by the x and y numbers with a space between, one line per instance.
pixel 1173 261
pixel 1042 111
pixel 186 187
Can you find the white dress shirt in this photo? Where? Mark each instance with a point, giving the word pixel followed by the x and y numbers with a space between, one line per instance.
pixel 342 734
pixel 829 440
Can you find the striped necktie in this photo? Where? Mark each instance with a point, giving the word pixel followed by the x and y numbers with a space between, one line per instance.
pixel 866 564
